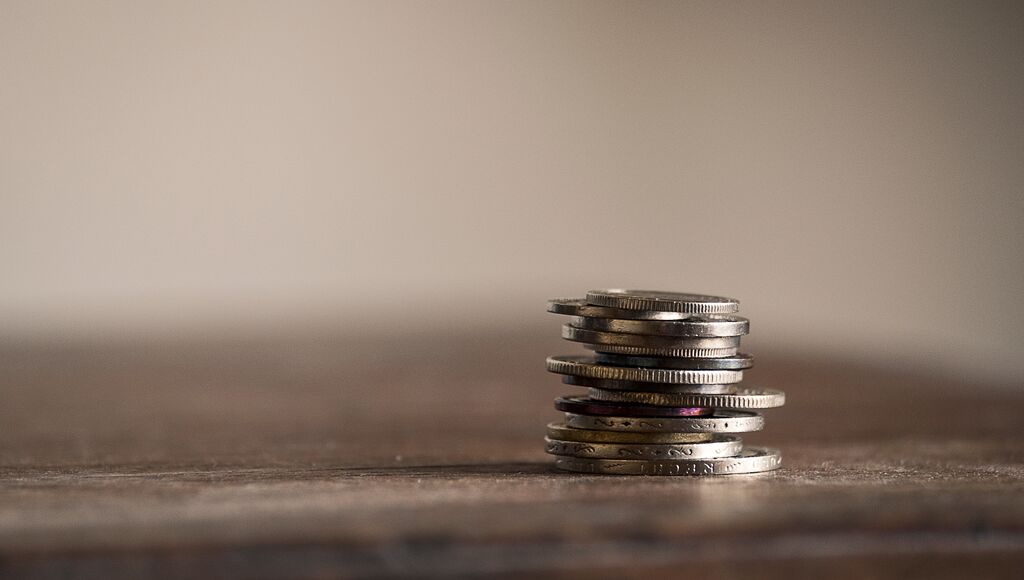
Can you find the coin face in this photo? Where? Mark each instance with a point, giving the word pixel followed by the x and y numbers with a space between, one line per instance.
pixel 662 301
pixel 720 446
pixel 742 398
pixel 750 460
pixel 582 366
pixel 722 421
pixel 737 362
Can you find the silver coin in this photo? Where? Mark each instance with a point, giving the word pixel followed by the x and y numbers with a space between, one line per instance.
pixel 723 421
pixel 662 352
pixel 582 366
pixel 579 307
pixel 721 446
pixel 589 406
pixel 750 460
pixel 706 326
pixel 664 301
pixel 650 321
pixel 742 398
pixel 647 387
pixel 739 362
pixel 564 433
pixel 570 332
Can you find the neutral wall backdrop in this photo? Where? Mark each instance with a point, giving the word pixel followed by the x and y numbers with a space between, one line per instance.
pixel 852 171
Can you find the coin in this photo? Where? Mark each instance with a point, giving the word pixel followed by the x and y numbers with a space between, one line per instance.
pixel 587 406
pixel 648 387
pixel 582 366
pixel 722 421
pixel 738 362
pixel 742 398
pixel 572 333
pixel 750 460
pixel 579 307
pixel 663 352
pixel 665 301
pixel 705 326
pixel 564 433
pixel 721 446
pixel 663 386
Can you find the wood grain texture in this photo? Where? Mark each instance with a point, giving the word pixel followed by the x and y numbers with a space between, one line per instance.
pixel 324 456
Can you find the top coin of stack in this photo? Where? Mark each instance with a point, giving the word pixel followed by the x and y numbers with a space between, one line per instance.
pixel 662 387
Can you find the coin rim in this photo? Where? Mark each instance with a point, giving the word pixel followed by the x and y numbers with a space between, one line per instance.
pixel 618 409
pixel 747 398
pixel 580 307
pixel 739 326
pixel 567 432
pixel 663 352
pixel 732 444
pixel 634 299
pixel 723 421
pixel 611 385
pixel 751 460
pixel 575 334
pixel 583 366
pixel 739 361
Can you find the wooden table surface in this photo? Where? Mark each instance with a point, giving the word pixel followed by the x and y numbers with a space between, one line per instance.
pixel 322 456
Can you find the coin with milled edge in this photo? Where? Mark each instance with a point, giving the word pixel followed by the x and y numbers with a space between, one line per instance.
pixel 704 326
pixel 738 362
pixel 665 301
pixel 723 421
pixel 582 366
pixel 570 332
pixel 564 433
pixel 587 406
pixel 664 387
pixel 743 398
pixel 750 460
pixel 648 387
pixel 663 352
pixel 579 307
pixel 721 446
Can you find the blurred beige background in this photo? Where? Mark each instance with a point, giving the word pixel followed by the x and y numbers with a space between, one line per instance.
pixel 853 172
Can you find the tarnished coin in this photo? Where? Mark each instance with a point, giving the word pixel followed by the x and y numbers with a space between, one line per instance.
pixel 564 433
pixel 742 398
pixel 579 307
pixel 722 421
pixel 582 366
pixel 662 352
pixel 586 406
pixel 665 301
pixel 721 446
pixel 702 326
pixel 738 362
pixel 648 387
pixel 574 334
pixel 750 460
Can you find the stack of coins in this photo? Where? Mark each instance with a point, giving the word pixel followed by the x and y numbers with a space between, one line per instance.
pixel 662 387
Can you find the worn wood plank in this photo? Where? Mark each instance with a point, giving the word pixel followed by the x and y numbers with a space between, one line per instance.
pixel 325 455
